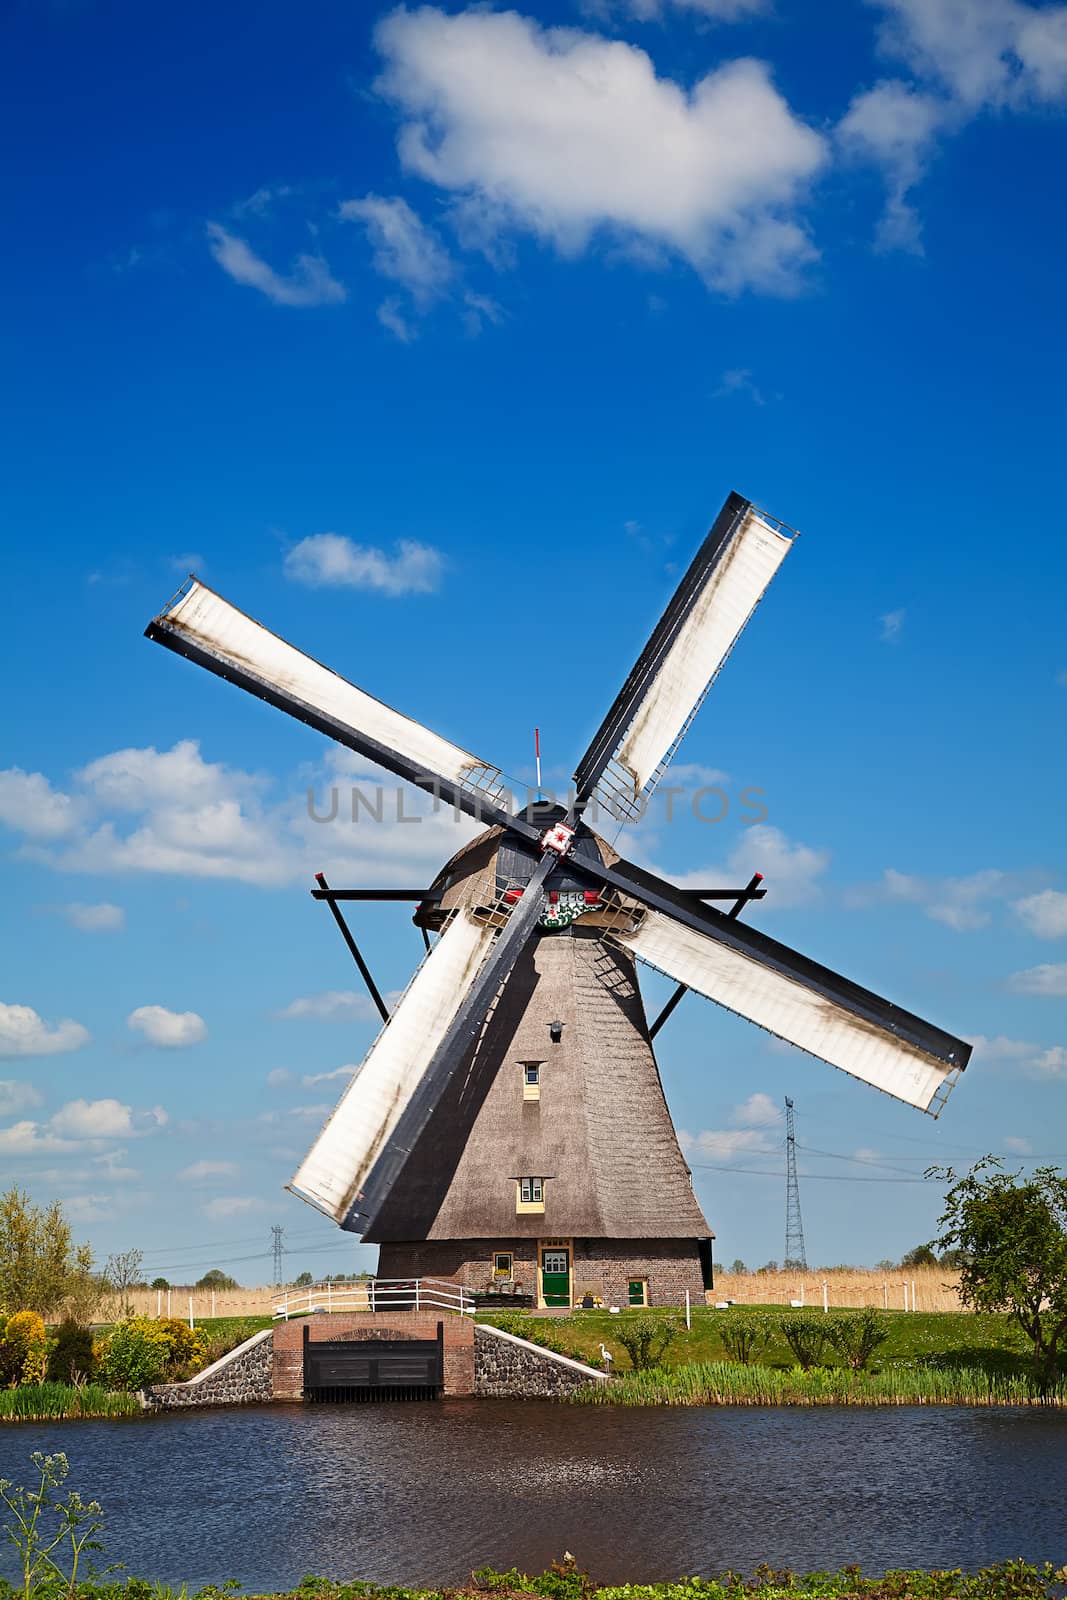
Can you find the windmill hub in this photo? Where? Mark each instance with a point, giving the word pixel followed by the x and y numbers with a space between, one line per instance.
pixel 465 1145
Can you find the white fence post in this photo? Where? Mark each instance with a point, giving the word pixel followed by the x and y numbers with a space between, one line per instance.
pixel 825 1296
pixel 905 1287
pixel 418 1307
pixel 329 1294
pixel 159 1302
pixel 192 1324
pixel 213 1302
pixel 913 1294
pixel 168 1304
pixel 688 1317
pixel 885 1296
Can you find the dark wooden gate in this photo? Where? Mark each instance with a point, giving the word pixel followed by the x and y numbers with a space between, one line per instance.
pixel 373 1369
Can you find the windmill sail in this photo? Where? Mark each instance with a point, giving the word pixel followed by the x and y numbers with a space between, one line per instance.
pixel 202 625
pixel 784 992
pixel 336 1169
pixel 674 672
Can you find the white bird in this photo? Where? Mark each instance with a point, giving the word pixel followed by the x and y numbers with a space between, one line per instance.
pixel 606 1355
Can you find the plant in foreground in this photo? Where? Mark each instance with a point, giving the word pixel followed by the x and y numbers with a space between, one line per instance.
pixel 856 1335
pixel 645 1339
pixel 805 1332
pixel 744 1335
pixel 46 1528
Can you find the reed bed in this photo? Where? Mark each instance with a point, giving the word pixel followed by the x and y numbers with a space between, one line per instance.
pixel 49 1402
pixel 847 1288
pixel 727 1383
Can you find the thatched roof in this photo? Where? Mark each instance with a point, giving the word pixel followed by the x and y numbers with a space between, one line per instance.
pixel 601 1133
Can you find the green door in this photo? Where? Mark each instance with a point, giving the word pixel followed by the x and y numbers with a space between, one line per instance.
pixel 637 1293
pixel 556 1277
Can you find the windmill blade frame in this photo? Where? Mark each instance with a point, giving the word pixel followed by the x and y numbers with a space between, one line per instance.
pixel 369 1136
pixel 203 626
pixel 702 622
pixel 782 991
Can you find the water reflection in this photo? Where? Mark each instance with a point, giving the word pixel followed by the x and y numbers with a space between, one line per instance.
pixel 413 1494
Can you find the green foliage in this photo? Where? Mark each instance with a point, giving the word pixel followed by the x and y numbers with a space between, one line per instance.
pixel 159 1283
pixel 142 1351
pixel 23 1349
pixel 540 1332
pixel 727 1383
pixel 856 1335
pixel 1012 1237
pixel 216 1279
pixel 50 1533
pixel 745 1334
pixel 40 1266
pixel 70 1358
pixel 921 1256
pixel 51 1402
pixel 645 1339
pixel 805 1332
pixel 304 1281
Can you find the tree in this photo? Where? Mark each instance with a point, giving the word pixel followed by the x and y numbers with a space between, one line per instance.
pixel 304 1281
pixel 856 1335
pixel 123 1273
pixel 744 1334
pixel 738 1266
pixel 159 1283
pixel 645 1339
pixel 1012 1240
pixel 921 1256
pixel 216 1279
pixel 40 1266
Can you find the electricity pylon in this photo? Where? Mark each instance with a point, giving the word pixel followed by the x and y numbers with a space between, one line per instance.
pixel 794 1227
pixel 277 1250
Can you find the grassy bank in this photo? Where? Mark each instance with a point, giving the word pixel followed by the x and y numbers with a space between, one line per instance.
pixel 1009 1580
pixel 55 1402
pixel 727 1383
pixel 937 1340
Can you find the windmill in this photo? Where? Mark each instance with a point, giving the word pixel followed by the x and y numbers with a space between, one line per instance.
pixel 508 1123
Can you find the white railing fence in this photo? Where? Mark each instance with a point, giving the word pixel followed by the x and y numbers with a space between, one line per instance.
pixel 373 1294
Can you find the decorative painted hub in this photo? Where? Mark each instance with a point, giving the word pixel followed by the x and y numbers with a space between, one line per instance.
pixel 566 906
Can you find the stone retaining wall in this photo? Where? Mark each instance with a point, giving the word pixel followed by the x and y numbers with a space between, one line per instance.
pixel 508 1367
pixel 243 1377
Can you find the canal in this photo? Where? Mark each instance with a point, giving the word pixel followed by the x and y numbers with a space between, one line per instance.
pixel 421 1493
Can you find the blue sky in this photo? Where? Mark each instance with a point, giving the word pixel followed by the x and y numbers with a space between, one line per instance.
pixel 506 303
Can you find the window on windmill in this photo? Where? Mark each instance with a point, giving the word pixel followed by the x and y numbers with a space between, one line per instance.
pixel 531 1194
pixel 502 1264
pixel 531 1079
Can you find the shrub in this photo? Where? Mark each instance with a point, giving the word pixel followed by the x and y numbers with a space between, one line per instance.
pixel 159 1283
pixel 71 1356
pixel 23 1349
pixel 744 1334
pixel 140 1352
pixel 645 1339
pixel 805 1332
pixel 856 1335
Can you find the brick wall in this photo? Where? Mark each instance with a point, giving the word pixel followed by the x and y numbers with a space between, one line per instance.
pixel 458 1341
pixel 600 1266
pixel 512 1368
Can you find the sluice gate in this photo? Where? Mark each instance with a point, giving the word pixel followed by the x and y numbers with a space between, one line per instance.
pixel 342 1370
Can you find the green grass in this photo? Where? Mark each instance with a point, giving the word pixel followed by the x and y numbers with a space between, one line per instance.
pixel 727 1383
pixel 1008 1580
pixel 936 1340
pixel 49 1402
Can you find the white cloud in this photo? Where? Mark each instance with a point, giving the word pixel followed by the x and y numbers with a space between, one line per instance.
pixel 30 1139
pixel 29 804
pixel 570 136
pixel 104 1119
pixel 232 1205
pixel 391 316
pixel 725 1144
pixel 960 903
pixel 1048 979
pixel 167 1030
pixel 331 1006
pixel 982 52
pixel 24 1033
pixel 892 623
pixel 309 283
pixel 792 870
pixel 201 1171
pixel 16 1096
pixel 758 1111
pixel 1044 914
pixel 893 126
pixel 278 1077
pixel 1036 1061
pixel 101 918
pixel 329 560
pixel 739 380
pixel 170 811
pixel 480 309
pixel 716 10
pixel 1017 1145
pixel 404 248
pixel 338 1073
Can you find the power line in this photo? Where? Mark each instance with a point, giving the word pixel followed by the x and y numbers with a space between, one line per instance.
pixel 809 1177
